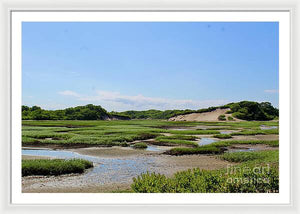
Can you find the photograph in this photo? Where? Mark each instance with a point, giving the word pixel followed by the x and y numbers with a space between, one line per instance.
pixel 150 107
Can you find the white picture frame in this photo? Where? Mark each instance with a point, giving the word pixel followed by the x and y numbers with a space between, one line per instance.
pixel 286 204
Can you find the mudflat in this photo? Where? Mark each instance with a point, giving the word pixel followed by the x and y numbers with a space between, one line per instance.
pixel 90 182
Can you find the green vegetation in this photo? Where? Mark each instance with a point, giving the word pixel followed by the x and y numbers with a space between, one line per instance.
pixel 218 147
pixel 54 166
pixel 68 133
pixel 165 141
pixel 192 132
pixel 140 145
pixel 273 143
pixel 87 133
pixel 178 137
pixel 254 175
pixel 222 136
pixel 88 112
pixel 230 118
pixel 157 114
pixel 256 132
pixel 222 117
pixel 79 133
pixel 245 110
pixel 191 151
pixel 250 156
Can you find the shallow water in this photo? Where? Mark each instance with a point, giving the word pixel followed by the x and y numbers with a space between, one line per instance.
pixel 263 127
pixel 105 170
pixel 206 141
pixel 180 129
pixel 241 150
pixel 154 148
pixel 225 132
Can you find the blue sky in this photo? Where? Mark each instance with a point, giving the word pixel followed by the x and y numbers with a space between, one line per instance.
pixel 154 65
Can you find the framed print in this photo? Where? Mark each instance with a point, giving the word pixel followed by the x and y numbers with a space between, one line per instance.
pixel 150 107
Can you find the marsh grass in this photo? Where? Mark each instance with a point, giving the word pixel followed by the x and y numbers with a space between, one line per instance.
pixel 217 147
pixel 54 166
pixel 169 142
pixel 273 143
pixel 140 145
pixel 256 132
pixel 192 151
pixel 193 132
pixel 121 133
pixel 178 137
pixel 250 156
pixel 222 136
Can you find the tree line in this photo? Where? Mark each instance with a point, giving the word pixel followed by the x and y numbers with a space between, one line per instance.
pixel 245 110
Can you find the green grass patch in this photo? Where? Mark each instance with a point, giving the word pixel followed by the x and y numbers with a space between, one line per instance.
pixel 261 156
pixel 217 147
pixel 222 136
pixel 178 137
pixel 273 143
pixel 169 142
pixel 256 132
pixel 192 151
pixel 54 166
pixel 140 146
pixel 28 139
pixel 193 132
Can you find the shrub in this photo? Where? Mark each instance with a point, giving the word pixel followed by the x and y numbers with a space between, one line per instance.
pixel 222 117
pixel 247 110
pixel 230 118
pixel 202 181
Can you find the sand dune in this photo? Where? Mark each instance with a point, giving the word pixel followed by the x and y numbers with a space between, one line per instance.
pixel 206 116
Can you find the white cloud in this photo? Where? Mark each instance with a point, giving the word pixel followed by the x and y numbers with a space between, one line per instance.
pixel 119 102
pixel 69 93
pixel 271 91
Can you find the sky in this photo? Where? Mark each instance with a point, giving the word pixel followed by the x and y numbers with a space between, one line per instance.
pixel 149 65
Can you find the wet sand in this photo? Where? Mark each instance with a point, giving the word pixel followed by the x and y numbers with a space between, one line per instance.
pixel 32 157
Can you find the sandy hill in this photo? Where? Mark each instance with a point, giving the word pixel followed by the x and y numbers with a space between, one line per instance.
pixel 206 116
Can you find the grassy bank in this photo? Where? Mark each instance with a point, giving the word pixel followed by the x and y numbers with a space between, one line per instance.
pixel 242 178
pixel 54 166
pixel 218 147
pixel 193 151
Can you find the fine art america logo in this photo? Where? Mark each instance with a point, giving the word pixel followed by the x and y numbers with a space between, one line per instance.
pixel 257 174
